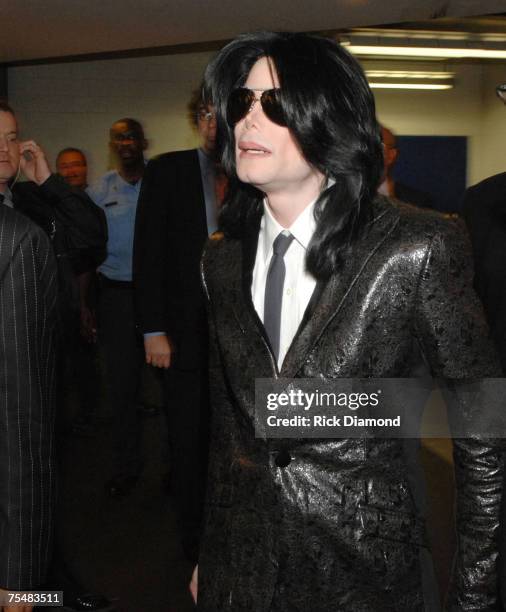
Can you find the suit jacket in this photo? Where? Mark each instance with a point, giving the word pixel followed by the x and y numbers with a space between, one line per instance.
pixel 324 525
pixel 410 195
pixel 77 228
pixel 28 292
pixel 170 232
pixel 68 215
pixel 485 215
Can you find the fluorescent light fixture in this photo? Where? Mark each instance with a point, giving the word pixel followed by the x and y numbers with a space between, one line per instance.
pixel 409 74
pixel 410 79
pixel 428 35
pixel 432 86
pixel 501 92
pixel 433 52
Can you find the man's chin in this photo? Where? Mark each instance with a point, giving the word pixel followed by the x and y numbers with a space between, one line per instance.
pixel 6 174
pixel 129 160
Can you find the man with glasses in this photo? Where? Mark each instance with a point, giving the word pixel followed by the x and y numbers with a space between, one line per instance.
pixel 178 209
pixel 117 193
pixel 316 276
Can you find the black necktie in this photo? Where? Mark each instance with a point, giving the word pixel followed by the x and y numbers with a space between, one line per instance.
pixel 274 290
pixel 2 198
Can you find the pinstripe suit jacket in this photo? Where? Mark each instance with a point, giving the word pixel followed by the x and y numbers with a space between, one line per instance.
pixel 28 290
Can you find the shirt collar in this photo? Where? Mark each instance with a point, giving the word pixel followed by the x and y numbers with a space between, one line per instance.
pixel 302 229
pixel 7 194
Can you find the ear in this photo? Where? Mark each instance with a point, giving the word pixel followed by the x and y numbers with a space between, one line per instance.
pixel 145 144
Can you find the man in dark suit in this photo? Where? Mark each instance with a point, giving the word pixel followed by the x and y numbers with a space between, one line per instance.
pixel 176 213
pixel 28 320
pixel 485 215
pixel 73 225
pixel 68 216
pixel 315 276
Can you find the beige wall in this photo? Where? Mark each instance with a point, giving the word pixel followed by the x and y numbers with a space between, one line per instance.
pixel 74 104
pixel 470 109
pixel 454 112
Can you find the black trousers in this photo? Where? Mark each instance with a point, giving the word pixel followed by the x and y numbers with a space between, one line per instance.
pixel 188 426
pixel 123 358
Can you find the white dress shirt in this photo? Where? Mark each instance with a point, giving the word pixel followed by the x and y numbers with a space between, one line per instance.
pixel 299 284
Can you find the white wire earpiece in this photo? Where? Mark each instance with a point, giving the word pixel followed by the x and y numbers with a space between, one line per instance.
pixel 17 174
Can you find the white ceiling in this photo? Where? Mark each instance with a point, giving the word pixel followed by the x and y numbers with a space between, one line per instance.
pixel 39 29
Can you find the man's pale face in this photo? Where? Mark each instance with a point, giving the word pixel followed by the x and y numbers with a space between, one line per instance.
pixel 72 167
pixel 9 149
pixel 207 127
pixel 267 155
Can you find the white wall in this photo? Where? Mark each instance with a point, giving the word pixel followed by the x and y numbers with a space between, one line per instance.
pixel 74 104
pixel 470 109
pixel 491 143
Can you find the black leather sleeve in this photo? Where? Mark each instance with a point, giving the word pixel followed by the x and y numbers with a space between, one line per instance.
pixel 455 341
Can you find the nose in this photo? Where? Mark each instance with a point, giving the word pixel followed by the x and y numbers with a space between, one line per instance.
pixel 252 113
pixel 4 146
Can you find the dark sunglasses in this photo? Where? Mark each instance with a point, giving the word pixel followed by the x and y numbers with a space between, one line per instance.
pixel 241 101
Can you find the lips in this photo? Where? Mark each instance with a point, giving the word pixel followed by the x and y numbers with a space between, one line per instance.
pixel 253 148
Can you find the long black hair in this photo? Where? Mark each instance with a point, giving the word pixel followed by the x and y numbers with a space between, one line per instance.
pixel 330 111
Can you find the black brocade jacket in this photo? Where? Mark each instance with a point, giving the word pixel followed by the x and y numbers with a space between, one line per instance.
pixel 333 526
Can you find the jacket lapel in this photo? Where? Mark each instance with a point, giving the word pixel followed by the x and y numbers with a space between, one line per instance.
pixel 245 312
pixel 195 192
pixel 330 296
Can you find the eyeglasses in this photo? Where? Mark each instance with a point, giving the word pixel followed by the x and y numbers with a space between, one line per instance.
pixel 500 90
pixel 122 137
pixel 242 100
pixel 204 115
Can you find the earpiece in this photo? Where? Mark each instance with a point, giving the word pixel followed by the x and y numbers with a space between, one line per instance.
pixel 17 173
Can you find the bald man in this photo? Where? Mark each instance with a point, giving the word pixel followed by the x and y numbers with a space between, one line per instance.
pixel 395 189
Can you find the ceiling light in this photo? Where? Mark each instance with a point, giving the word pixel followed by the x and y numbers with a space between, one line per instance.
pixel 428 52
pixel 409 74
pixel 427 86
pixel 410 79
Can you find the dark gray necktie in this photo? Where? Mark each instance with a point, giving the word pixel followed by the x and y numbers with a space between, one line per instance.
pixel 2 197
pixel 274 290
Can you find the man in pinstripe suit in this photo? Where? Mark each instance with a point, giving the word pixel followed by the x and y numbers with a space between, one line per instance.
pixel 28 291
pixel 71 223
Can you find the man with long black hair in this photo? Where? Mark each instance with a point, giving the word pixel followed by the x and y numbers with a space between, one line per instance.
pixel 315 276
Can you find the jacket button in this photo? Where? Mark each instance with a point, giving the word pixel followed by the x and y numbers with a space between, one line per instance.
pixel 283 459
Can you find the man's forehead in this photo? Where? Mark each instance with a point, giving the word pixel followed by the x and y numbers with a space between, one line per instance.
pixel 124 128
pixel 71 156
pixel 8 122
